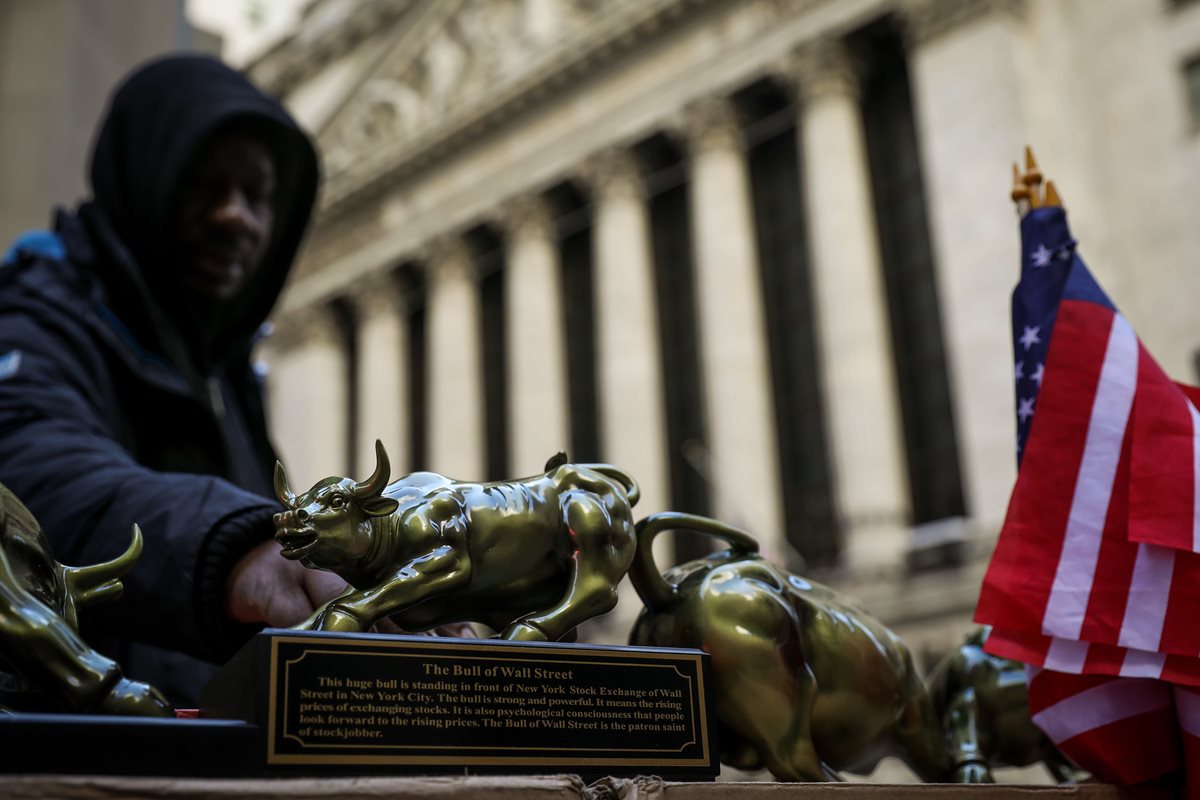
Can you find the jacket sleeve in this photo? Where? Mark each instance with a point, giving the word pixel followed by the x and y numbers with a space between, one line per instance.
pixel 59 456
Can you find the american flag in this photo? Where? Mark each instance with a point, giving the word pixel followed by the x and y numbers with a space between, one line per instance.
pixel 1097 547
pixel 1096 572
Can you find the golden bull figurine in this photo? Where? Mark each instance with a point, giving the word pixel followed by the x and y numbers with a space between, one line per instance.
pixel 39 631
pixel 531 558
pixel 807 683
pixel 984 708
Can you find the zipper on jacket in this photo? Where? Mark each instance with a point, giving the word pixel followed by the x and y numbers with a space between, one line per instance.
pixel 215 398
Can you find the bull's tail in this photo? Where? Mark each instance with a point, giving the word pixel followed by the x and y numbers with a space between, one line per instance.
pixel 654 590
pixel 632 492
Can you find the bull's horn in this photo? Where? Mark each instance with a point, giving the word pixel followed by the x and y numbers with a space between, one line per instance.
pixel 102 581
pixel 285 495
pixel 375 484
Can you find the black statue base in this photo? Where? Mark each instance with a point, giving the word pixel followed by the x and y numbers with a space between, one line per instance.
pixel 97 745
pixel 339 703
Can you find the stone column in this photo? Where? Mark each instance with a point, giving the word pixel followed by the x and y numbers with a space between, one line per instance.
pixel 851 315
pixel 382 376
pixel 533 319
pixel 456 444
pixel 632 410
pixel 632 428
pixel 308 397
pixel 744 463
pixel 966 150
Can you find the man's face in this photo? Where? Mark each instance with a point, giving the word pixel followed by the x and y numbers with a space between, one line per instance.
pixel 225 215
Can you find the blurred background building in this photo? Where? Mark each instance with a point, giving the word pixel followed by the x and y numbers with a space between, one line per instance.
pixel 756 252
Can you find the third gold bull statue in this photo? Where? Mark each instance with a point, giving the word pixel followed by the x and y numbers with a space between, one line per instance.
pixel 984 707
pixel 807 683
pixel 39 635
pixel 532 558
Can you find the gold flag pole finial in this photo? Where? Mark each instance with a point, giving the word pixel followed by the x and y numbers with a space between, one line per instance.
pixel 1033 178
pixel 1020 192
pixel 1033 175
pixel 1052 198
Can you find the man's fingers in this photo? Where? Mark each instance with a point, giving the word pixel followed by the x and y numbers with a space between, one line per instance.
pixel 321 587
pixel 287 606
pixel 385 625
pixel 264 587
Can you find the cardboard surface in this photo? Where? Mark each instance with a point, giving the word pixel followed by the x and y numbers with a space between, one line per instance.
pixel 548 787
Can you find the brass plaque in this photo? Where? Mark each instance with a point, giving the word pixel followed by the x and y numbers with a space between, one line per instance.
pixel 431 704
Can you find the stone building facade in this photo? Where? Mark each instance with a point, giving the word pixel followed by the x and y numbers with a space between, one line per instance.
pixel 756 252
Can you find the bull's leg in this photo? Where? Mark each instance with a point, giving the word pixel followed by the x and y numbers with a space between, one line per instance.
pixel 765 690
pixel 313 620
pixel 604 546
pixel 435 573
pixel 920 737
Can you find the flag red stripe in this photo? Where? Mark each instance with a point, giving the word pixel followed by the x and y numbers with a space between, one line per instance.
pixel 1162 488
pixel 1181 628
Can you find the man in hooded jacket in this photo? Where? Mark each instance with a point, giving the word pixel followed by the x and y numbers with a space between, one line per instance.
pixel 126 389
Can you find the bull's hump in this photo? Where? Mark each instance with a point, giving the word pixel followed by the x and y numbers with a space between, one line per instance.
pixel 510 496
pixel 417 484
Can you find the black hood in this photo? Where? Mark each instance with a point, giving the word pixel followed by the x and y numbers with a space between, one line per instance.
pixel 156 124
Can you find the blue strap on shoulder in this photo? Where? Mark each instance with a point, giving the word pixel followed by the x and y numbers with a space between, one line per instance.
pixel 46 244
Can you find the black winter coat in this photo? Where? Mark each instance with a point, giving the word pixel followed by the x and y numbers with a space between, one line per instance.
pixel 113 412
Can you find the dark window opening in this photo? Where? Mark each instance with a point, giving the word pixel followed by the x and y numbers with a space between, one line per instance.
pixel 343 312
pixel 574 233
pixel 931 446
pixel 416 323
pixel 1191 76
pixel 806 476
pixel 683 387
pixel 488 260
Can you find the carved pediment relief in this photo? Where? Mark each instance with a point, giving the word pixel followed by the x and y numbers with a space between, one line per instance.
pixel 454 56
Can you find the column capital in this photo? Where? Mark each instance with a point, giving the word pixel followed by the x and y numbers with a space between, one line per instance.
pixel 612 172
pixel 376 293
pixel 528 213
pixel 316 324
pixel 708 123
pixel 925 20
pixel 446 257
pixel 820 68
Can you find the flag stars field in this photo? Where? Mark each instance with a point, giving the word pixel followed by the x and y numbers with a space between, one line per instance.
pixel 1031 336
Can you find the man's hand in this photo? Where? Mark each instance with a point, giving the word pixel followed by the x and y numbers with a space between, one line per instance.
pixel 266 588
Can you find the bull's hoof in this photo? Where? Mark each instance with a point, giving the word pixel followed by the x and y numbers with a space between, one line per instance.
pixel 524 632
pixel 332 619
pixel 136 699
pixel 972 772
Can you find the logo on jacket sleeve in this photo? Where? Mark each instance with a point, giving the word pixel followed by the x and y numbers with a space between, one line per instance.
pixel 10 362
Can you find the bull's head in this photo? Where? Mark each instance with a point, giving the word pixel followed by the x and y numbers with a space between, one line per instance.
pixel 332 525
pixel 26 558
